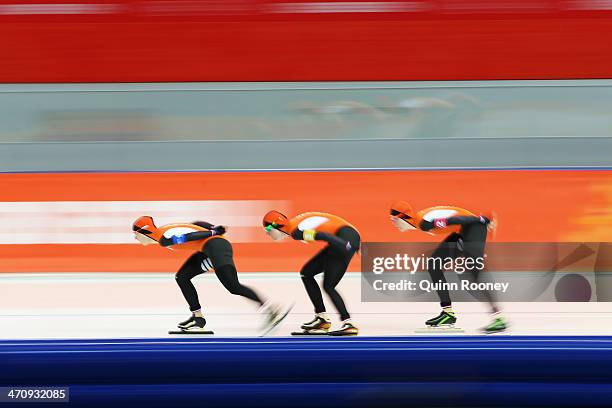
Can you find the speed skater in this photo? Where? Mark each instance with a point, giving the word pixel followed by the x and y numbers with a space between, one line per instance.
pixel 467 235
pixel 342 240
pixel 210 251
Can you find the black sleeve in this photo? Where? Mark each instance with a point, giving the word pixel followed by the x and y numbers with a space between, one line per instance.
pixel 332 240
pixel 459 220
pixel 426 225
pixel 297 234
pixel 466 220
pixel 203 224
pixel 192 236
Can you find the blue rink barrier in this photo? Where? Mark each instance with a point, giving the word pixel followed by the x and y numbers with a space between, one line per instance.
pixel 458 371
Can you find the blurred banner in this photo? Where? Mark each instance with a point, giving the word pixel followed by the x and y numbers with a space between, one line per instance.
pixel 82 222
pixel 305 111
pixel 284 40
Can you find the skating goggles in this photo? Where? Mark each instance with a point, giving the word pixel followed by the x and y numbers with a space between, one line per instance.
pixel 141 230
pixel 270 227
pixel 399 214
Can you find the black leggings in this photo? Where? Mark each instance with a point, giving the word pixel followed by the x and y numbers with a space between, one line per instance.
pixel 470 243
pixel 218 253
pixel 333 263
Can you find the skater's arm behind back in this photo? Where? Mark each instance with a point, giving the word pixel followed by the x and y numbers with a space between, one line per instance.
pixel 181 239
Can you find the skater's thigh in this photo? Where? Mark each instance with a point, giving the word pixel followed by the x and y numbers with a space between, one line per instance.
pixel 448 247
pixel 192 266
pixel 337 262
pixel 336 265
pixel 315 265
pixel 333 275
pixel 474 237
pixel 220 252
pixel 228 276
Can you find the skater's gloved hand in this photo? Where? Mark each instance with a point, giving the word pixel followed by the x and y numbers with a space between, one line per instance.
pixel 489 221
pixel 309 235
pixel 219 229
pixel 178 239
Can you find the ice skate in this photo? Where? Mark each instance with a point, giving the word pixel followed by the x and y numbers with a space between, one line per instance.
pixel 347 329
pixel 442 323
pixel 193 325
pixel 317 326
pixel 275 314
pixel 498 325
pixel 444 319
pixel 187 323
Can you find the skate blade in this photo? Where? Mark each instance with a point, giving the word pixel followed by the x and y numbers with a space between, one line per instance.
pixel 342 333
pixel 191 332
pixel 484 331
pixel 326 328
pixel 278 321
pixel 310 333
pixel 440 329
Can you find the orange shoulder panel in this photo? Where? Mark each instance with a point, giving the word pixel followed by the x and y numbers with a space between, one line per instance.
pixel 318 221
pixel 440 211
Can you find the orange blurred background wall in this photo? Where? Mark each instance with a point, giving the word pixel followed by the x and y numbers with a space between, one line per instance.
pixel 532 206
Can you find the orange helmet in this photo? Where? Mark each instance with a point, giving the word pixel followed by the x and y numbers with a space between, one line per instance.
pixel 402 209
pixel 144 225
pixel 274 219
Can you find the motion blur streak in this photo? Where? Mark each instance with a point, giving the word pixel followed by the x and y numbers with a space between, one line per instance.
pixel 246 40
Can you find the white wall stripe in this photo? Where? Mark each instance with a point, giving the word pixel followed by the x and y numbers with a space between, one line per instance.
pixel 109 222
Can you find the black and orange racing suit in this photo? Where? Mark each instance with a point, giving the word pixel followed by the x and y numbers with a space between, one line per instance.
pixel 333 260
pixel 467 235
pixel 212 251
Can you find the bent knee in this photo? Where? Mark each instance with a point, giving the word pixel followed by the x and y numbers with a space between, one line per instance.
pixel 329 288
pixel 306 277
